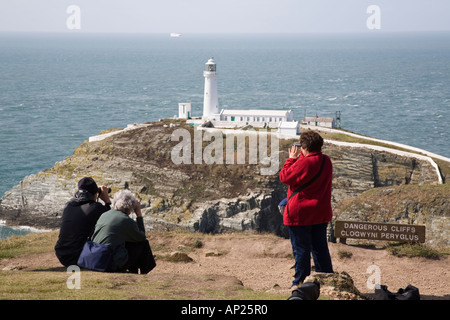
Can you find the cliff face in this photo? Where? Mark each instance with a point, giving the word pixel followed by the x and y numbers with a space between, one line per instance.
pixel 198 197
pixel 427 205
pixel 356 170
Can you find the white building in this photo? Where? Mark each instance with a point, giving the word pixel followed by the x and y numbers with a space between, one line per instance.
pixel 289 128
pixel 256 118
pixel 185 110
pixel 258 115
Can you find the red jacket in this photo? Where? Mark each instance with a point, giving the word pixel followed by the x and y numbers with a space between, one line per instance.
pixel 313 204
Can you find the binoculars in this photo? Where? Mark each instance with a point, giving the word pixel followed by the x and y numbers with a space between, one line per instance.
pixel 100 190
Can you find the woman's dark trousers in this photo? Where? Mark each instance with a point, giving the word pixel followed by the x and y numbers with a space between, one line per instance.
pixel 307 240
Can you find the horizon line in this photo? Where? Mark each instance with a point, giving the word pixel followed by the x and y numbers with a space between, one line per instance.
pixel 183 34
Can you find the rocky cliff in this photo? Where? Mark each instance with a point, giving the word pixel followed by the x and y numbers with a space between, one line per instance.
pixel 427 205
pixel 197 196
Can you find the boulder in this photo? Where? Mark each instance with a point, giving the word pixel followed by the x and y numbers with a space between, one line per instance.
pixel 338 285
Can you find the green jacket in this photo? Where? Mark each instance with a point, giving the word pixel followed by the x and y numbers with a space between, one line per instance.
pixel 114 228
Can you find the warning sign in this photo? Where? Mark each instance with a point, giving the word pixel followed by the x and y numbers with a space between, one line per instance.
pixel 379 231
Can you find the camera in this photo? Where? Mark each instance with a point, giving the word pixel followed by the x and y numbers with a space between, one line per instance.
pixel 100 190
pixel 297 144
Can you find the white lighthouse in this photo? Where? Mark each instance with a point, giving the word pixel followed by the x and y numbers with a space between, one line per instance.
pixel 210 100
pixel 283 120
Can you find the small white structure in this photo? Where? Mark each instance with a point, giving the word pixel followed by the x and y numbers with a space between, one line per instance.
pixel 210 99
pixel 185 110
pixel 289 128
pixel 320 122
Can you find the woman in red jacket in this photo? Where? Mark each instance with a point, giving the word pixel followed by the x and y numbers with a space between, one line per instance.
pixel 308 211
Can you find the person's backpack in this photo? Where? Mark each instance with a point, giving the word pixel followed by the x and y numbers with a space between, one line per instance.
pixel 96 256
pixel 409 293
pixel 308 291
pixel 282 205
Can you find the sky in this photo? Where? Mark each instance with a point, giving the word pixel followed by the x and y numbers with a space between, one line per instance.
pixel 224 16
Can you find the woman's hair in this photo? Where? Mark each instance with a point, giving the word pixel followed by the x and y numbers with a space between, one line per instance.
pixel 311 141
pixel 124 200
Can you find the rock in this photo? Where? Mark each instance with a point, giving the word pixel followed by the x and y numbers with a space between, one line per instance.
pixel 207 124
pixel 178 256
pixel 13 267
pixel 252 212
pixel 212 254
pixel 336 285
pixel 356 170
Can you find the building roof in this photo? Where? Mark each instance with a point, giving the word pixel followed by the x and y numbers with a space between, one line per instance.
pixel 319 119
pixel 258 112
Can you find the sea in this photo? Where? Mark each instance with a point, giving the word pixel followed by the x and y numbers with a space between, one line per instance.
pixel 58 89
pixel 9 231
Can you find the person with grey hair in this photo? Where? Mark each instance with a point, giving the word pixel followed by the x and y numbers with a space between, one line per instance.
pixel 125 201
pixel 115 228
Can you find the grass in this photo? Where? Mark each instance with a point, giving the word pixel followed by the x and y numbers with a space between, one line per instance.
pixel 53 285
pixel 402 249
pixel 58 283
pixel 412 250
pixel 344 254
pixel 29 244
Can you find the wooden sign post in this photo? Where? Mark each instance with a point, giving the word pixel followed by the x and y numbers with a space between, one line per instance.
pixel 379 231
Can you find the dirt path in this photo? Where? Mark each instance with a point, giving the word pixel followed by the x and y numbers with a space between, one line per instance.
pixel 263 262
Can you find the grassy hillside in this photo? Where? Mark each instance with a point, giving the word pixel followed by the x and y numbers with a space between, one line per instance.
pixel 35 274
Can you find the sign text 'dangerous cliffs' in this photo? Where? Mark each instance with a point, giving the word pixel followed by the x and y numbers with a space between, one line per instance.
pixel 379 231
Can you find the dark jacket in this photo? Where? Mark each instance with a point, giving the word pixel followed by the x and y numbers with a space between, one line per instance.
pixel 78 221
pixel 115 228
pixel 313 204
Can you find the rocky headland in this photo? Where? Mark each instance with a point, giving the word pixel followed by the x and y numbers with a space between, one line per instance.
pixel 369 184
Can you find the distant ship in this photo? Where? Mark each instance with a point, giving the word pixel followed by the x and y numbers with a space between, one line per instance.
pixel 175 35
